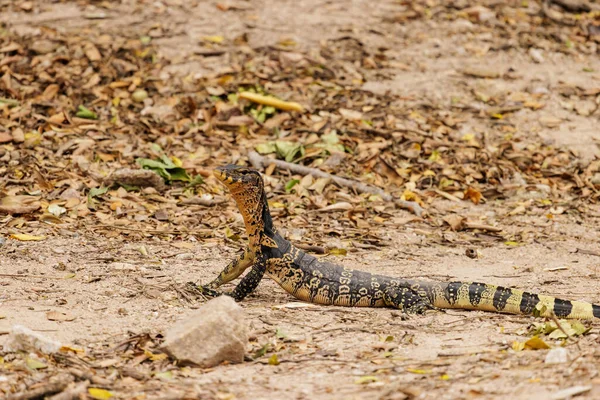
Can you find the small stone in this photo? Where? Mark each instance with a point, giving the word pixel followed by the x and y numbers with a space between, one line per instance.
pixel 24 339
pixel 5 137
pixel 480 13
pixel 139 96
pixel 43 46
pixel 585 108
pixel 550 122
pixel 462 25
pixel 214 333
pixel 558 355
pixel 18 135
pixel 536 55
pixel 122 267
pixel 161 215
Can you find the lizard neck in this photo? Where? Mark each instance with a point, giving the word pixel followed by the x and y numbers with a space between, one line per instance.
pixel 254 208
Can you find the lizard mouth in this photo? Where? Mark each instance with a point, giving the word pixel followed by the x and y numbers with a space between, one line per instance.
pixel 229 181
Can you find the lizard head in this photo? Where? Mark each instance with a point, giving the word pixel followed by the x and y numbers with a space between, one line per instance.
pixel 247 188
pixel 239 179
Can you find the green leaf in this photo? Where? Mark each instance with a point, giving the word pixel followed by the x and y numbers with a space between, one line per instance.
pixel 266 148
pixel 290 184
pixel 331 142
pixel 32 363
pixel 279 334
pixel 289 150
pixel 94 192
pixel 262 351
pixel 165 168
pixel 83 112
pixel 167 375
pixel 196 180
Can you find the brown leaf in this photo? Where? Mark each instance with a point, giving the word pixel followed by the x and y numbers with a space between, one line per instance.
pixel 456 222
pixel 473 194
pixel 19 204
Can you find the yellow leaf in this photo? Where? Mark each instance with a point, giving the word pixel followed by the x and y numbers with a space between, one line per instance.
pixel 418 371
pixel 411 196
pixel 32 363
pixel 176 161
pixel 99 394
pixel 271 101
pixel 26 238
pixel 155 357
pixel 445 377
pixel 435 156
pixel 497 116
pixel 366 379
pixel 273 360
pixel 214 39
pixel 535 343
pixel 287 43
pixel 276 204
pixel 338 252
pixel 66 349
pixel 468 137
pixel 510 243
pixel 518 346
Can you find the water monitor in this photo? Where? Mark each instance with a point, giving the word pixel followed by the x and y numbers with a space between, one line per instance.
pixel 311 280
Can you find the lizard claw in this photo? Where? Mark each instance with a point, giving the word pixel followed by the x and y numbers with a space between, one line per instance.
pixel 204 290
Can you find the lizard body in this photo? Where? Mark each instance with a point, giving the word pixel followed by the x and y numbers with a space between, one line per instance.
pixel 309 279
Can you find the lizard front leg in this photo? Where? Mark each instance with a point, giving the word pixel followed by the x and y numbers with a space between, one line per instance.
pixel 246 285
pixel 250 281
pixel 233 269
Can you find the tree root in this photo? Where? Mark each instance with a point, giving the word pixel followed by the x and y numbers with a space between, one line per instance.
pixel 259 162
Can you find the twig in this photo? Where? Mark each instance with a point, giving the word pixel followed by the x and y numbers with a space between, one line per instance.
pixel 259 162
pixel 201 201
pixel 31 276
pixel 489 228
pixel 588 252
pixel 310 247
pixel 72 392
pixel 10 102
pixel 447 195
pixel 56 384
pixel 553 317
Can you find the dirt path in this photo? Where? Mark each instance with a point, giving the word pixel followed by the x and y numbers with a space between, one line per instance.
pixel 117 284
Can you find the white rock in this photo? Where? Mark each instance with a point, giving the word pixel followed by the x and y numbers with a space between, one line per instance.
pixel 24 339
pixel 214 333
pixel 536 55
pixel 557 355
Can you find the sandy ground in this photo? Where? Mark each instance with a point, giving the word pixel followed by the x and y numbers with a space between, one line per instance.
pixel 113 286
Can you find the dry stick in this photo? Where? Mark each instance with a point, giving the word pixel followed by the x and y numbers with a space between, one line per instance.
pixel 259 162
pixel 56 384
pixel 72 392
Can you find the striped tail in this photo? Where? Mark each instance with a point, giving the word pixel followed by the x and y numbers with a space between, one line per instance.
pixel 481 296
